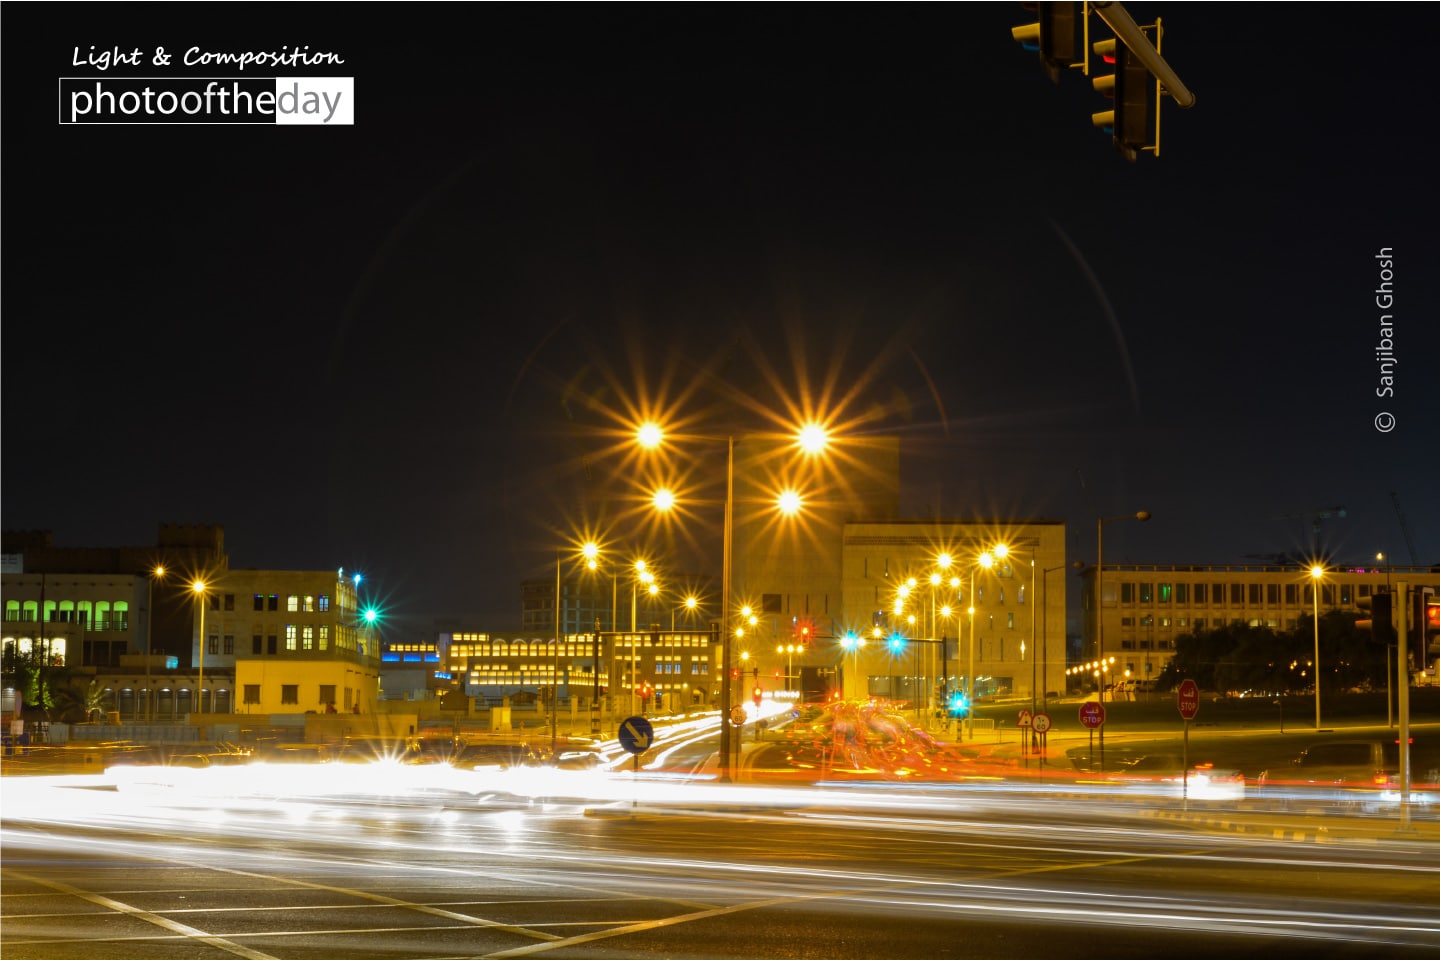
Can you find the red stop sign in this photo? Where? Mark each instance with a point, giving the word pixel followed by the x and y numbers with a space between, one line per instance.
pixel 1092 714
pixel 1187 698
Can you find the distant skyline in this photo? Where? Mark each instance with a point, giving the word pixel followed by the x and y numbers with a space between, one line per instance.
pixel 407 345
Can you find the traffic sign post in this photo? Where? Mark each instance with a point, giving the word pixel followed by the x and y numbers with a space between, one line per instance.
pixel 1092 716
pixel 1026 732
pixel 635 736
pixel 1187 700
pixel 1040 723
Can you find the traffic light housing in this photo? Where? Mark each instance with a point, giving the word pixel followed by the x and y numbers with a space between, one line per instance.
pixel 1423 625
pixel 1380 622
pixel 959 706
pixel 1054 35
pixel 1128 119
pixel 757 695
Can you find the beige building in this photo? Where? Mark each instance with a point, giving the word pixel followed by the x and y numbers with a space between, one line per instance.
pixel 293 640
pixel 1147 606
pixel 896 593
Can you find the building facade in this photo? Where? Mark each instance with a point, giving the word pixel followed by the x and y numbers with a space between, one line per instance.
pixel 1145 607
pixel 924 619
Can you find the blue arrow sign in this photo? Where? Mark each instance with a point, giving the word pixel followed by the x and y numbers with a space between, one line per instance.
pixel 636 734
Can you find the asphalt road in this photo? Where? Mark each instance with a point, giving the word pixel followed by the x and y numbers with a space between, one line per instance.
pixel 380 865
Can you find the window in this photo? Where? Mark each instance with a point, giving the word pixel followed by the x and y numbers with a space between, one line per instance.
pixel 229 647
pixel 771 603
pixel 307 637
pixel 1347 593
pixel 324 637
pixel 1254 594
pixel 292 636
pixel 257 646
pixel 252 693
pixel 229 601
pixel 1292 594
pixel 1272 594
pixel 1182 593
pixel 1199 623
pixel 1147 593
pixel 1002 594
pixel 259 601
pixel 214 599
pixel 1165 592
pixel 292 604
pixel 1237 594
pixel 324 603
pixel 1127 621
pixel 1010 621
pixel 271 646
pixel 309 604
pixel 290 693
pixel 12 609
pixel 1147 621
pixel 1022 593
pixel 274 602
pixel 212 644
pixel 1127 593
pixel 1217 593
pixel 327 694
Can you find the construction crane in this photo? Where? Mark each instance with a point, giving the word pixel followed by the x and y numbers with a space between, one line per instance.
pixel 1404 528
pixel 1314 515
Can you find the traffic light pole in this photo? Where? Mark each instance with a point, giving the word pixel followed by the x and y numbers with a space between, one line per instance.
pixel 1402 678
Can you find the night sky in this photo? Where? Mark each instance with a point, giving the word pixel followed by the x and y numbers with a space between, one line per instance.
pixel 405 346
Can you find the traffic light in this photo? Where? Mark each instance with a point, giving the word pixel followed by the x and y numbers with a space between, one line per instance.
pixel 1379 624
pixel 1423 620
pixel 757 695
pixel 959 705
pixel 1054 35
pixel 1128 119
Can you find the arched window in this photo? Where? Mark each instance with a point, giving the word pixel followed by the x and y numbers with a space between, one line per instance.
pixel 12 610
pixel 83 614
pixel 29 611
pixel 121 617
pixel 67 611
pixel 102 615
pixel 49 611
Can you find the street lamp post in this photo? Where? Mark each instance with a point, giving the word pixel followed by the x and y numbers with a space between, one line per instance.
pixel 157 574
pixel 1316 572
pixel 199 589
pixel 1142 516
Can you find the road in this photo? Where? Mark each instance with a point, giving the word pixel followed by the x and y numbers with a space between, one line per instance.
pixel 397 863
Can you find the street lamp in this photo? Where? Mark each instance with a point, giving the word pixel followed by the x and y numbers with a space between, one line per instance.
pixel 689 606
pixel 198 587
pixel 1142 516
pixel 157 574
pixel 812 439
pixel 1316 572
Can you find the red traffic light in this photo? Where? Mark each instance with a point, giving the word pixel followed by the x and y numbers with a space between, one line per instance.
pixel 757 695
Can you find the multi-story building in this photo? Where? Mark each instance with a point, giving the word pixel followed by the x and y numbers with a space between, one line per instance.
pixel 294 641
pixel 615 669
pixel 923 616
pixel 1146 607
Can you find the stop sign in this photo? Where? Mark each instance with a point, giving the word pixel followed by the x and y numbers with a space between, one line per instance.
pixel 1092 714
pixel 1187 698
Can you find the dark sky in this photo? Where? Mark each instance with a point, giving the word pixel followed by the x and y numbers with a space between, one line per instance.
pixel 399 346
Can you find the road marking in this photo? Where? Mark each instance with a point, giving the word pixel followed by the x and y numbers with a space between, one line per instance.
pixel 220 943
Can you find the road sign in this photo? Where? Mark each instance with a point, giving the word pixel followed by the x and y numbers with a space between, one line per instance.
pixel 1024 720
pixel 1041 722
pixel 737 714
pixel 1187 698
pixel 636 734
pixel 1092 714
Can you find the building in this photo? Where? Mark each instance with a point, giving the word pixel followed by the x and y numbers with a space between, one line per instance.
pixel 294 642
pixel 1146 607
pixel 615 672
pixel 909 589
